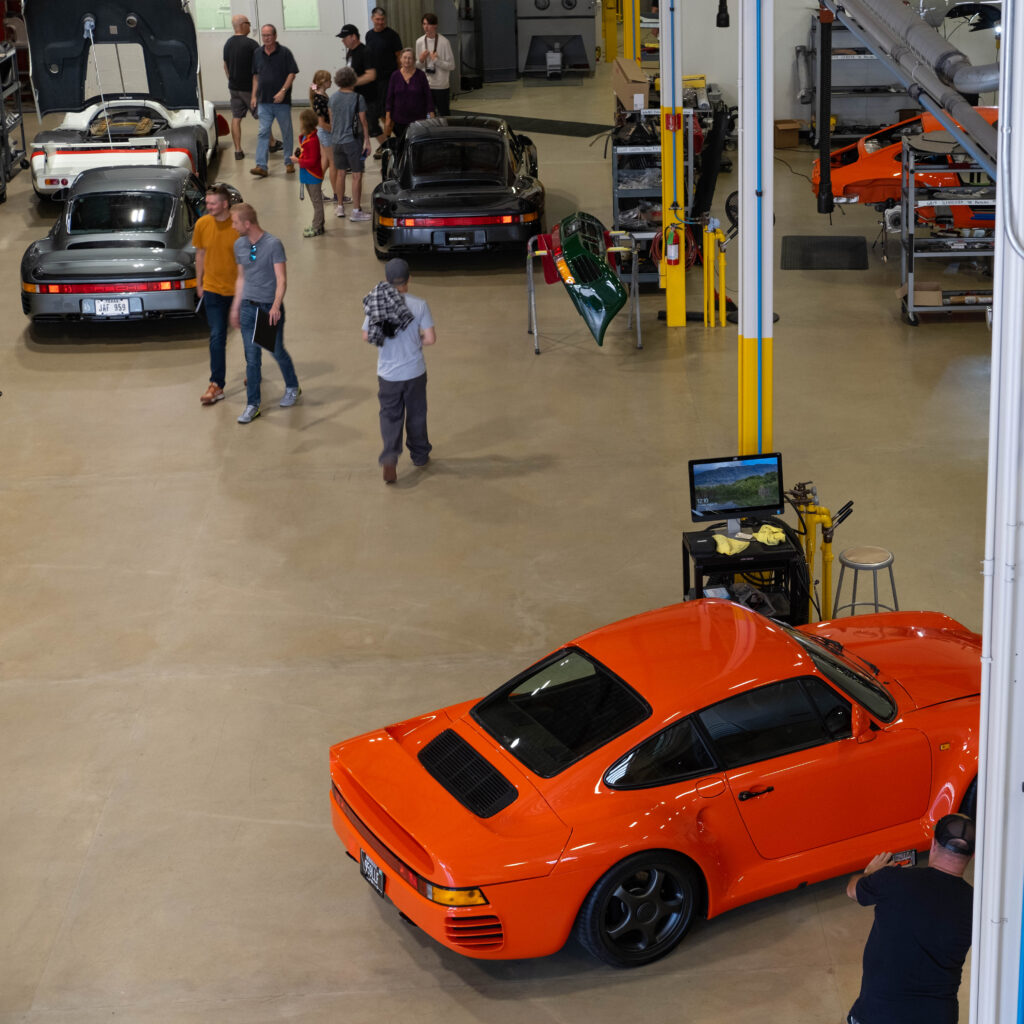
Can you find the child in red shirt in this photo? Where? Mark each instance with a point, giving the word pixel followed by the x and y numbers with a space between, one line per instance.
pixel 310 172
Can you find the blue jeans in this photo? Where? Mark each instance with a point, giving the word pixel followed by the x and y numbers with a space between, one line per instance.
pixel 254 352
pixel 217 309
pixel 268 113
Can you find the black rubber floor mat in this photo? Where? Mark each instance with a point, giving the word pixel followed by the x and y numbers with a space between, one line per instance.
pixel 544 126
pixel 824 252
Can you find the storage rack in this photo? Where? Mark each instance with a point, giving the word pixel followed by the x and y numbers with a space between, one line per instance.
pixel 12 125
pixel 920 242
pixel 865 94
pixel 636 184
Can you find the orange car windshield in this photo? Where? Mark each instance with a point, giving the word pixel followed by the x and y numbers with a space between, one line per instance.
pixel 835 667
pixel 560 712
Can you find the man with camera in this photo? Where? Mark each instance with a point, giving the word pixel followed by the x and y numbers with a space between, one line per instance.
pixel 434 57
pixel 916 950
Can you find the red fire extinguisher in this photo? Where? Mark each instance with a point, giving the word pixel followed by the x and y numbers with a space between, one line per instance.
pixel 672 247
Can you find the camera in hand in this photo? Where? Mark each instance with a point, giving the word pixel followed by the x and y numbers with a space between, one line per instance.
pixel 429 71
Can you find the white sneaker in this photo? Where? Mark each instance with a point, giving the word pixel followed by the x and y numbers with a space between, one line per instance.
pixel 290 396
pixel 359 215
pixel 251 412
pixel 339 210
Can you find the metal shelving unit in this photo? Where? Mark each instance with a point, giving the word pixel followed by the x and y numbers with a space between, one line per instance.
pixel 636 185
pixel 12 127
pixel 865 93
pixel 974 191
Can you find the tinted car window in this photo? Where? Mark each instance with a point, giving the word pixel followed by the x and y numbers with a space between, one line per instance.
pixel 675 753
pixel 764 723
pixel 560 712
pixel 451 158
pixel 121 211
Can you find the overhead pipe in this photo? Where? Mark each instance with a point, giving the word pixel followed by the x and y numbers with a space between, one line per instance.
pixel 887 34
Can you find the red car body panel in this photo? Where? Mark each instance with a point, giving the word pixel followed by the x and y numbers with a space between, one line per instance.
pixel 832 808
pixel 869 170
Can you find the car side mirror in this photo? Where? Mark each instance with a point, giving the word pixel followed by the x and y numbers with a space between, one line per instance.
pixel 861 725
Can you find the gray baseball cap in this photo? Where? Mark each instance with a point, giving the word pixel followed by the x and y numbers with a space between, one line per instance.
pixel 396 271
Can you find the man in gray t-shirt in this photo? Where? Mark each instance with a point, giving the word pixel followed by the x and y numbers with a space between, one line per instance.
pixel 402 378
pixel 261 284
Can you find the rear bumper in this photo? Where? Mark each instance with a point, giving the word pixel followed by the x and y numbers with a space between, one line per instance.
pixel 141 305
pixel 53 176
pixel 468 239
pixel 527 918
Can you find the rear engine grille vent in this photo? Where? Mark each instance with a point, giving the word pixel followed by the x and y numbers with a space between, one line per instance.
pixel 470 778
pixel 479 933
pixel 114 243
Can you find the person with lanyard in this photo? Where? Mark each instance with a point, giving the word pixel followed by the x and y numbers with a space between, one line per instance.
pixel 273 71
pixel 435 59
pixel 915 953
pixel 260 285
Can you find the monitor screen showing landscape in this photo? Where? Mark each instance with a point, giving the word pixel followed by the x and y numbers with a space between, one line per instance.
pixel 736 487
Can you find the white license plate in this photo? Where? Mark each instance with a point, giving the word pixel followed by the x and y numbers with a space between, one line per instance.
pixel 111 307
pixel 372 873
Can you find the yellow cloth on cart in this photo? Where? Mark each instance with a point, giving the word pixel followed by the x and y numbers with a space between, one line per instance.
pixel 769 535
pixel 729 545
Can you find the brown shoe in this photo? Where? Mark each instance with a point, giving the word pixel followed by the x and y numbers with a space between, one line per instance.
pixel 289 168
pixel 260 172
pixel 390 472
pixel 212 394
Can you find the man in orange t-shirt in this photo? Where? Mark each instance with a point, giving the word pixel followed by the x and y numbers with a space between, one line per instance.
pixel 214 240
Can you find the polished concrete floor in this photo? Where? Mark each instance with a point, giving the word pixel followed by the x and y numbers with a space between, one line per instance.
pixel 193 610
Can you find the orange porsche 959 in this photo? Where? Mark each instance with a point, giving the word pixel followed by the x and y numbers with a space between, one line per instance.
pixel 669 766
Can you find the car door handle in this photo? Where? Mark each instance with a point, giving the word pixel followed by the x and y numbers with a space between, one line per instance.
pixel 749 794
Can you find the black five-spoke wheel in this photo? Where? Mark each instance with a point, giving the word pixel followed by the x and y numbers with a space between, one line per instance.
pixel 640 910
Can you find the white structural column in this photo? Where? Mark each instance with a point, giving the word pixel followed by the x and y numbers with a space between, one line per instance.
pixel 756 279
pixel 996 977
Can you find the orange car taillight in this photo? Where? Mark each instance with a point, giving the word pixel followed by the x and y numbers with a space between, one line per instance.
pixel 470 897
pixel 94 287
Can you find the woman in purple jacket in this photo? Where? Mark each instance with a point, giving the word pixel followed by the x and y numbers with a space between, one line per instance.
pixel 408 98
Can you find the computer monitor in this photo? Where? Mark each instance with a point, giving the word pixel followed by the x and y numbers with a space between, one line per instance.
pixel 735 487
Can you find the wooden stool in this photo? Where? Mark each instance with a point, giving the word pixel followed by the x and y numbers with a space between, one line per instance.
pixel 865 559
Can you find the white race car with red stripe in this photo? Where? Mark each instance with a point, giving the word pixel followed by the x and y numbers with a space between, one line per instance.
pixel 126 79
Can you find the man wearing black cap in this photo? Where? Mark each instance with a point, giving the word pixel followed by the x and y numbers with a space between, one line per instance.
pixel 922 931
pixel 401 325
pixel 357 57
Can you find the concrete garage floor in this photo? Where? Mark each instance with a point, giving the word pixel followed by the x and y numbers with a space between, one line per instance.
pixel 194 610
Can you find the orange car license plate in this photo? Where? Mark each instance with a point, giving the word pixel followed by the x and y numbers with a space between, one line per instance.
pixel 372 873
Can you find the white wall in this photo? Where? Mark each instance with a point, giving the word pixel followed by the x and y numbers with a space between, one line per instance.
pixel 714 51
pixel 312 49
pixel 706 49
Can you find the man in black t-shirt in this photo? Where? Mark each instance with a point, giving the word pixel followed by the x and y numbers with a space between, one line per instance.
pixel 384 45
pixel 273 72
pixel 358 58
pixel 238 51
pixel 916 950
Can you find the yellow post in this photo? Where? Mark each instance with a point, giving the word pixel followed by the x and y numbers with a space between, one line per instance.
pixel 631 29
pixel 755 395
pixel 610 30
pixel 707 265
pixel 673 211
pixel 720 239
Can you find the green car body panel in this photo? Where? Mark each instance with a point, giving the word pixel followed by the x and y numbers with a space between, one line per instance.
pixel 591 281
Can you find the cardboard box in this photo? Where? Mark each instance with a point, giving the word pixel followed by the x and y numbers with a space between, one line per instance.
pixel 631 85
pixel 787 134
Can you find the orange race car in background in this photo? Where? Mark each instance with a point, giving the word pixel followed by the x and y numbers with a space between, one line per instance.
pixel 868 171
pixel 675 764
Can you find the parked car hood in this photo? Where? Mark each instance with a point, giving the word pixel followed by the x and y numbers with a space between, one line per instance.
pixel 59 50
pixel 933 657
pixel 382 777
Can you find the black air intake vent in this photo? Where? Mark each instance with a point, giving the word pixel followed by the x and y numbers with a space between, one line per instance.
pixel 470 778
